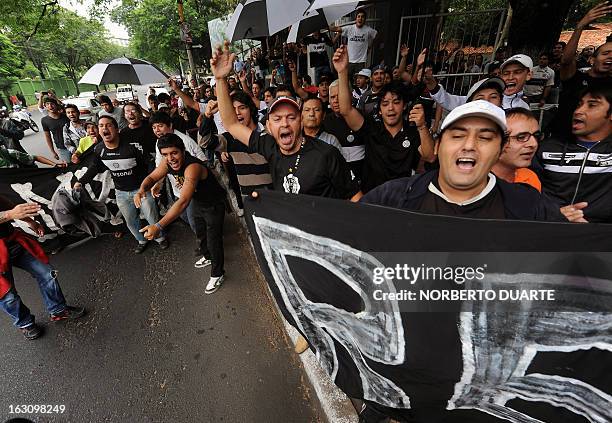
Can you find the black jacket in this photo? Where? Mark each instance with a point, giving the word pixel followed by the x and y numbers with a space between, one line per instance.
pixel 571 174
pixel 521 202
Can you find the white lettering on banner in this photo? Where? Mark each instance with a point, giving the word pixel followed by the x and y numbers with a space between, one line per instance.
pixel 378 328
pixel 26 193
pixel 65 181
pixel 497 347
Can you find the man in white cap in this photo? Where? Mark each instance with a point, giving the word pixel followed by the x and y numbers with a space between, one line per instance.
pixel 362 82
pixel 298 164
pixel 470 143
pixel 490 89
pixel 515 72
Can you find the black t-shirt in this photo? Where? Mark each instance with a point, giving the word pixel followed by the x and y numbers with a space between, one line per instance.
pixel 127 165
pixel 142 138
pixel 491 206
pixel 336 125
pixel 5 228
pixel 569 98
pixel 388 157
pixel 56 128
pixel 317 51
pixel 208 192
pixel 321 169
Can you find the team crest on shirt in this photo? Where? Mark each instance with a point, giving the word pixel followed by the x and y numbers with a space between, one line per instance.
pixel 406 143
pixel 291 184
pixel 350 138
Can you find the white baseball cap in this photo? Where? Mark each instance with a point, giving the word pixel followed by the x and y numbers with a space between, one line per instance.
pixel 480 108
pixel 493 82
pixel 522 59
pixel 365 72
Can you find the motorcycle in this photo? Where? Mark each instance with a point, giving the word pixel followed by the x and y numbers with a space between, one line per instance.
pixel 23 118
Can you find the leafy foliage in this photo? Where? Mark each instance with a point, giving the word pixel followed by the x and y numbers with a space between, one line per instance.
pixel 153 26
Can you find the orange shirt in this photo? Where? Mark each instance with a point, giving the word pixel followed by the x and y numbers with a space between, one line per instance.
pixel 526 176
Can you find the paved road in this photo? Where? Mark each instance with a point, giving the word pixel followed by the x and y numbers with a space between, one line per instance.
pixel 154 347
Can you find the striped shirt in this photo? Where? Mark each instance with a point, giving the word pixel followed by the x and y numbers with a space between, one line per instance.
pixel 252 169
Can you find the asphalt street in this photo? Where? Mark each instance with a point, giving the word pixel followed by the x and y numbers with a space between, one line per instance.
pixel 153 347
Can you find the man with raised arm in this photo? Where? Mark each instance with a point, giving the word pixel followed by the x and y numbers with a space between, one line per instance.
pixel 392 147
pixel 299 164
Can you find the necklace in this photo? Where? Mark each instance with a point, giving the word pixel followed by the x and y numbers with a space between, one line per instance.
pixel 297 160
pixel 291 183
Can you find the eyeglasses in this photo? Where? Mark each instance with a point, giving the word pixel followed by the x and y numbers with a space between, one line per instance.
pixel 524 136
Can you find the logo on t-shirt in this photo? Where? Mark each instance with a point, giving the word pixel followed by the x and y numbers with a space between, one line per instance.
pixel 291 184
pixel 406 143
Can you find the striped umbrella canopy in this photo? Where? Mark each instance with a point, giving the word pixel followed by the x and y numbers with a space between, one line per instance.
pixel 317 19
pixel 262 18
pixel 124 70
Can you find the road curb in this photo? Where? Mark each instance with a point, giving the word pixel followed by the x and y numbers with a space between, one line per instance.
pixel 335 405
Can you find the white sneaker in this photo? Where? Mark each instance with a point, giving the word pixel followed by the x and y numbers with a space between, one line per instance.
pixel 203 262
pixel 214 284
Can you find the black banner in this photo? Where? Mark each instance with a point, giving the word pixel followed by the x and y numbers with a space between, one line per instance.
pixel 39 184
pixel 382 297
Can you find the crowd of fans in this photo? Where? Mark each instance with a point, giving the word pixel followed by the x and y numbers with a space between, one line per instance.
pixel 400 137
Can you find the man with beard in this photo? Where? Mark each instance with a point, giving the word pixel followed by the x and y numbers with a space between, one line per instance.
pixel 298 164
pixel 392 147
pixel 128 168
pixel 73 130
pixel 139 132
pixel 472 138
pixel 200 191
pixel 577 170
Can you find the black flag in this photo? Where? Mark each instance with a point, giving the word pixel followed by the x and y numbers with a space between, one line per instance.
pixel 441 319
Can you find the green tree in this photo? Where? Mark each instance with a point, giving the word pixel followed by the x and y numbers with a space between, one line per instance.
pixel 11 63
pixel 154 29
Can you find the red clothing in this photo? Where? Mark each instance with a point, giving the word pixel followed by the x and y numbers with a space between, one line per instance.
pixel 29 244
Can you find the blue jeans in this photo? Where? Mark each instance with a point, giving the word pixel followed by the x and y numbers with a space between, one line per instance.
pixel 64 154
pixel 125 202
pixel 46 277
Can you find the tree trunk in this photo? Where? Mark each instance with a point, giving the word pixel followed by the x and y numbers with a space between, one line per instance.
pixel 536 25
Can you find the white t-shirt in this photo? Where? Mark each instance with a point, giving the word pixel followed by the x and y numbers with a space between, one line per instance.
pixel 359 39
pixel 540 78
pixel 216 118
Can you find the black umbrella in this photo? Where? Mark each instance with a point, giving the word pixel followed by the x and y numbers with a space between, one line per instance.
pixel 262 18
pixel 317 19
pixel 124 70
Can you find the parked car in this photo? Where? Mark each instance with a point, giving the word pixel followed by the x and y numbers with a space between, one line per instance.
pixel 159 88
pixel 125 94
pixel 89 107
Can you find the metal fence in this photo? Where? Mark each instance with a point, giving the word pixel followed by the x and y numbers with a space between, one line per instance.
pixel 63 87
pixel 457 38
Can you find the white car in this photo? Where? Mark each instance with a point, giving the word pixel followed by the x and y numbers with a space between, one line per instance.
pixel 125 94
pixel 87 94
pixel 89 107
pixel 158 89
